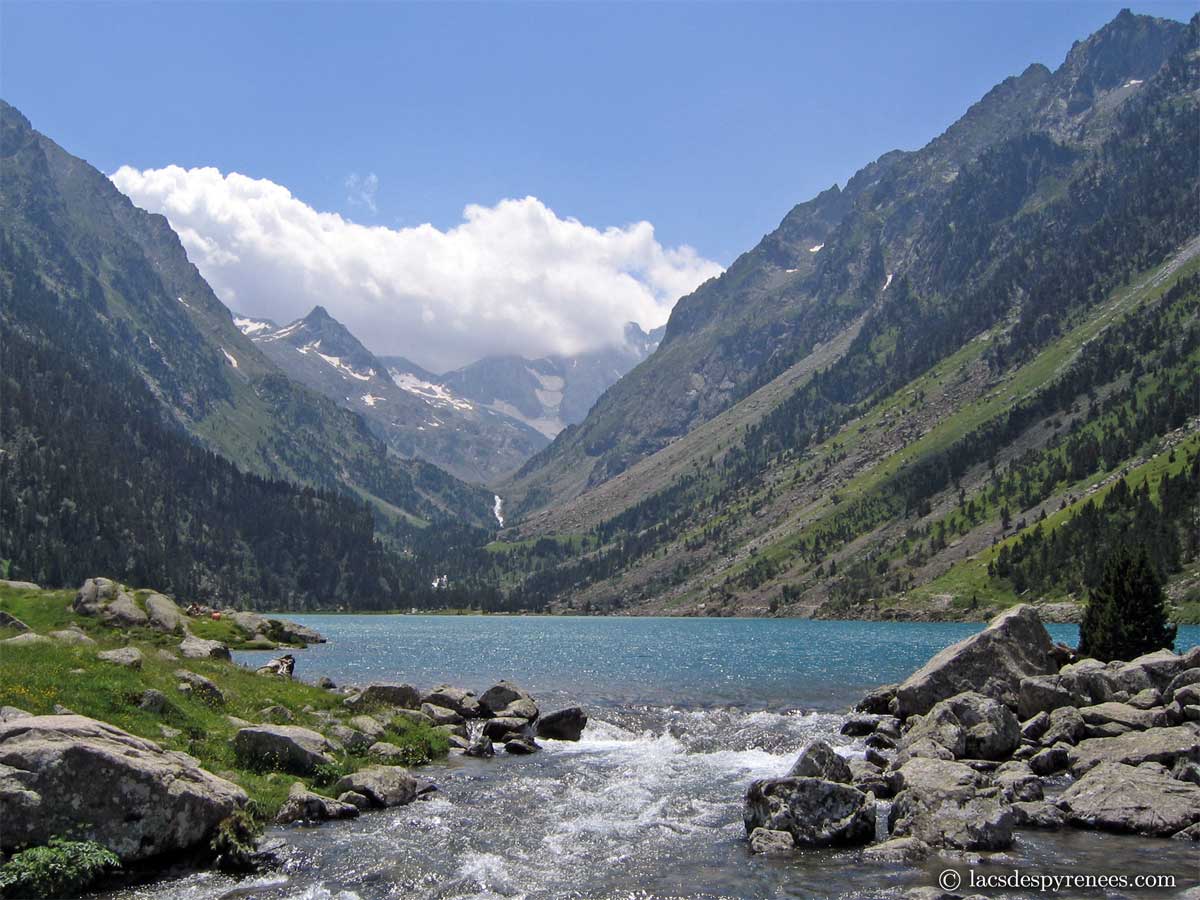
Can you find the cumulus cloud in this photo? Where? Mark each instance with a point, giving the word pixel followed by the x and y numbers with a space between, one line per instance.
pixel 361 190
pixel 510 278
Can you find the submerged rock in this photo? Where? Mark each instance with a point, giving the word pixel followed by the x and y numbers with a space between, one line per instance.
pixel 75 775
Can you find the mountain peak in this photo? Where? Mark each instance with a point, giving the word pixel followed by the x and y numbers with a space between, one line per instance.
pixel 319 314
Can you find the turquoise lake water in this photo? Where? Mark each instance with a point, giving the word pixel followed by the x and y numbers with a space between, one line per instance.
pixel 684 713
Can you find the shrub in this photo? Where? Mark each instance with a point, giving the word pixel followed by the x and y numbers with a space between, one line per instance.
pixel 1126 615
pixel 62 868
pixel 235 842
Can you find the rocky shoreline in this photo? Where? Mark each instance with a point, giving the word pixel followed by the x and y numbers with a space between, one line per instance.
pixel 346 751
pixel 1000 732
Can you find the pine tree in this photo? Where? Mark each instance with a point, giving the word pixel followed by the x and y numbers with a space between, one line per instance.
pixel 1126 615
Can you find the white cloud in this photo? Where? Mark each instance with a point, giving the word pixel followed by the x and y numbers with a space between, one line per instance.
pixel 361 190
pixel 511 278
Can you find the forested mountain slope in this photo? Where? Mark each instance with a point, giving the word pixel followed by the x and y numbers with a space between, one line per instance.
pixel 975 334
pixel 123 277
pixel 918 253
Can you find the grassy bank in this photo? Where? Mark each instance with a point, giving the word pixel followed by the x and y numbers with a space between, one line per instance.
pixel 37 677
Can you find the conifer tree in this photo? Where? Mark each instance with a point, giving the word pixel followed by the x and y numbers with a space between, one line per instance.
pixel 1126 615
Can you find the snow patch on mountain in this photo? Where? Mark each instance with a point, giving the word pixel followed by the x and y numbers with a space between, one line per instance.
pixel 436 394
pixel 547 425
pixel 251 327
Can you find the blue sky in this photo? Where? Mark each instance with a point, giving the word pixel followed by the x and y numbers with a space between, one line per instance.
pixel 707 120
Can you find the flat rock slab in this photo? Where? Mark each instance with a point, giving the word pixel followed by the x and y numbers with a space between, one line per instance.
pixel 73 775
pixel 1117 797
pixel 1160 745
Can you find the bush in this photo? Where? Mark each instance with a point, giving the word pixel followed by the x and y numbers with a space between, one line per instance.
pixel 1126 615
pixel 62 868
pixel 236 841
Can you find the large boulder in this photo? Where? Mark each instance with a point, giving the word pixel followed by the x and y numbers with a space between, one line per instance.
pixel 1066 726
pixel 505 729
pixel 129 657
pixel 302 805
pixel 563 724
pixel 404 696
pixel 1014 645
pixel 192 647
pixel 287 748
pixel 74 775
pixel 500 696
pixel 163 614
pixel 1182 680
pixel 382 785
pixel 204 688
pixel 108 600
pixel 441 715
pixel 969 725
pixel 1044 693
pixel 817 813
pixel 941 803
pixel 1090 680
pixel 1160 745
pixel 278 630
pixel 1117 797
pixel 818 760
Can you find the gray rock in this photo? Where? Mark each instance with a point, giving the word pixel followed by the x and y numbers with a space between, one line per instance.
pixel 500 696
pixel 164 615
pixel 772 843
pixel 74 775
pixel 440 715
pixel 939 802
pixel 192 647
pixel 368 725
pixel 1049 761
pixel 1037 814
pixel 302 805
pixel 520 709
pixel 817 813
pixel 1123 714
pixel 152 701
pixel 1018 782
pixel 1117 797
pixel 1160 666
pixel 19 585
pixel 1014 645
pixel 818 760
pixel 1183 679
pixel 412 716
pixel 71 635
pixel 459 730
pixel 204 688
pixel 403 696
pixel 351 738
pixel 355 799
pixel 869 778
pixel 1106 730
pixel 521 746
pixel 123 612
pixel 129 657
pixel 382 785
pixel 1147 699
pixel 326 683
pixel 389 753
pixel 1066 727
pixel 1186 770
pixel 25 639
pixel 462 702
pixel 906 851
pixel 1035 727
pixel 501 730
pixel 1160 745
pixel 563 724
pixel 968 725
pixel 879 700
pixel 1089 678
pixel 481 748
pixel 879 741
pixel 275 715
pixel 9 621
pixel 1187 695
pixel 287 748
pixel 860 725
pixel 1043 693
pixel 458 742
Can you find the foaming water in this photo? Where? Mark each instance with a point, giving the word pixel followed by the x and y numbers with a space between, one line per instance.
pixel 649 803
